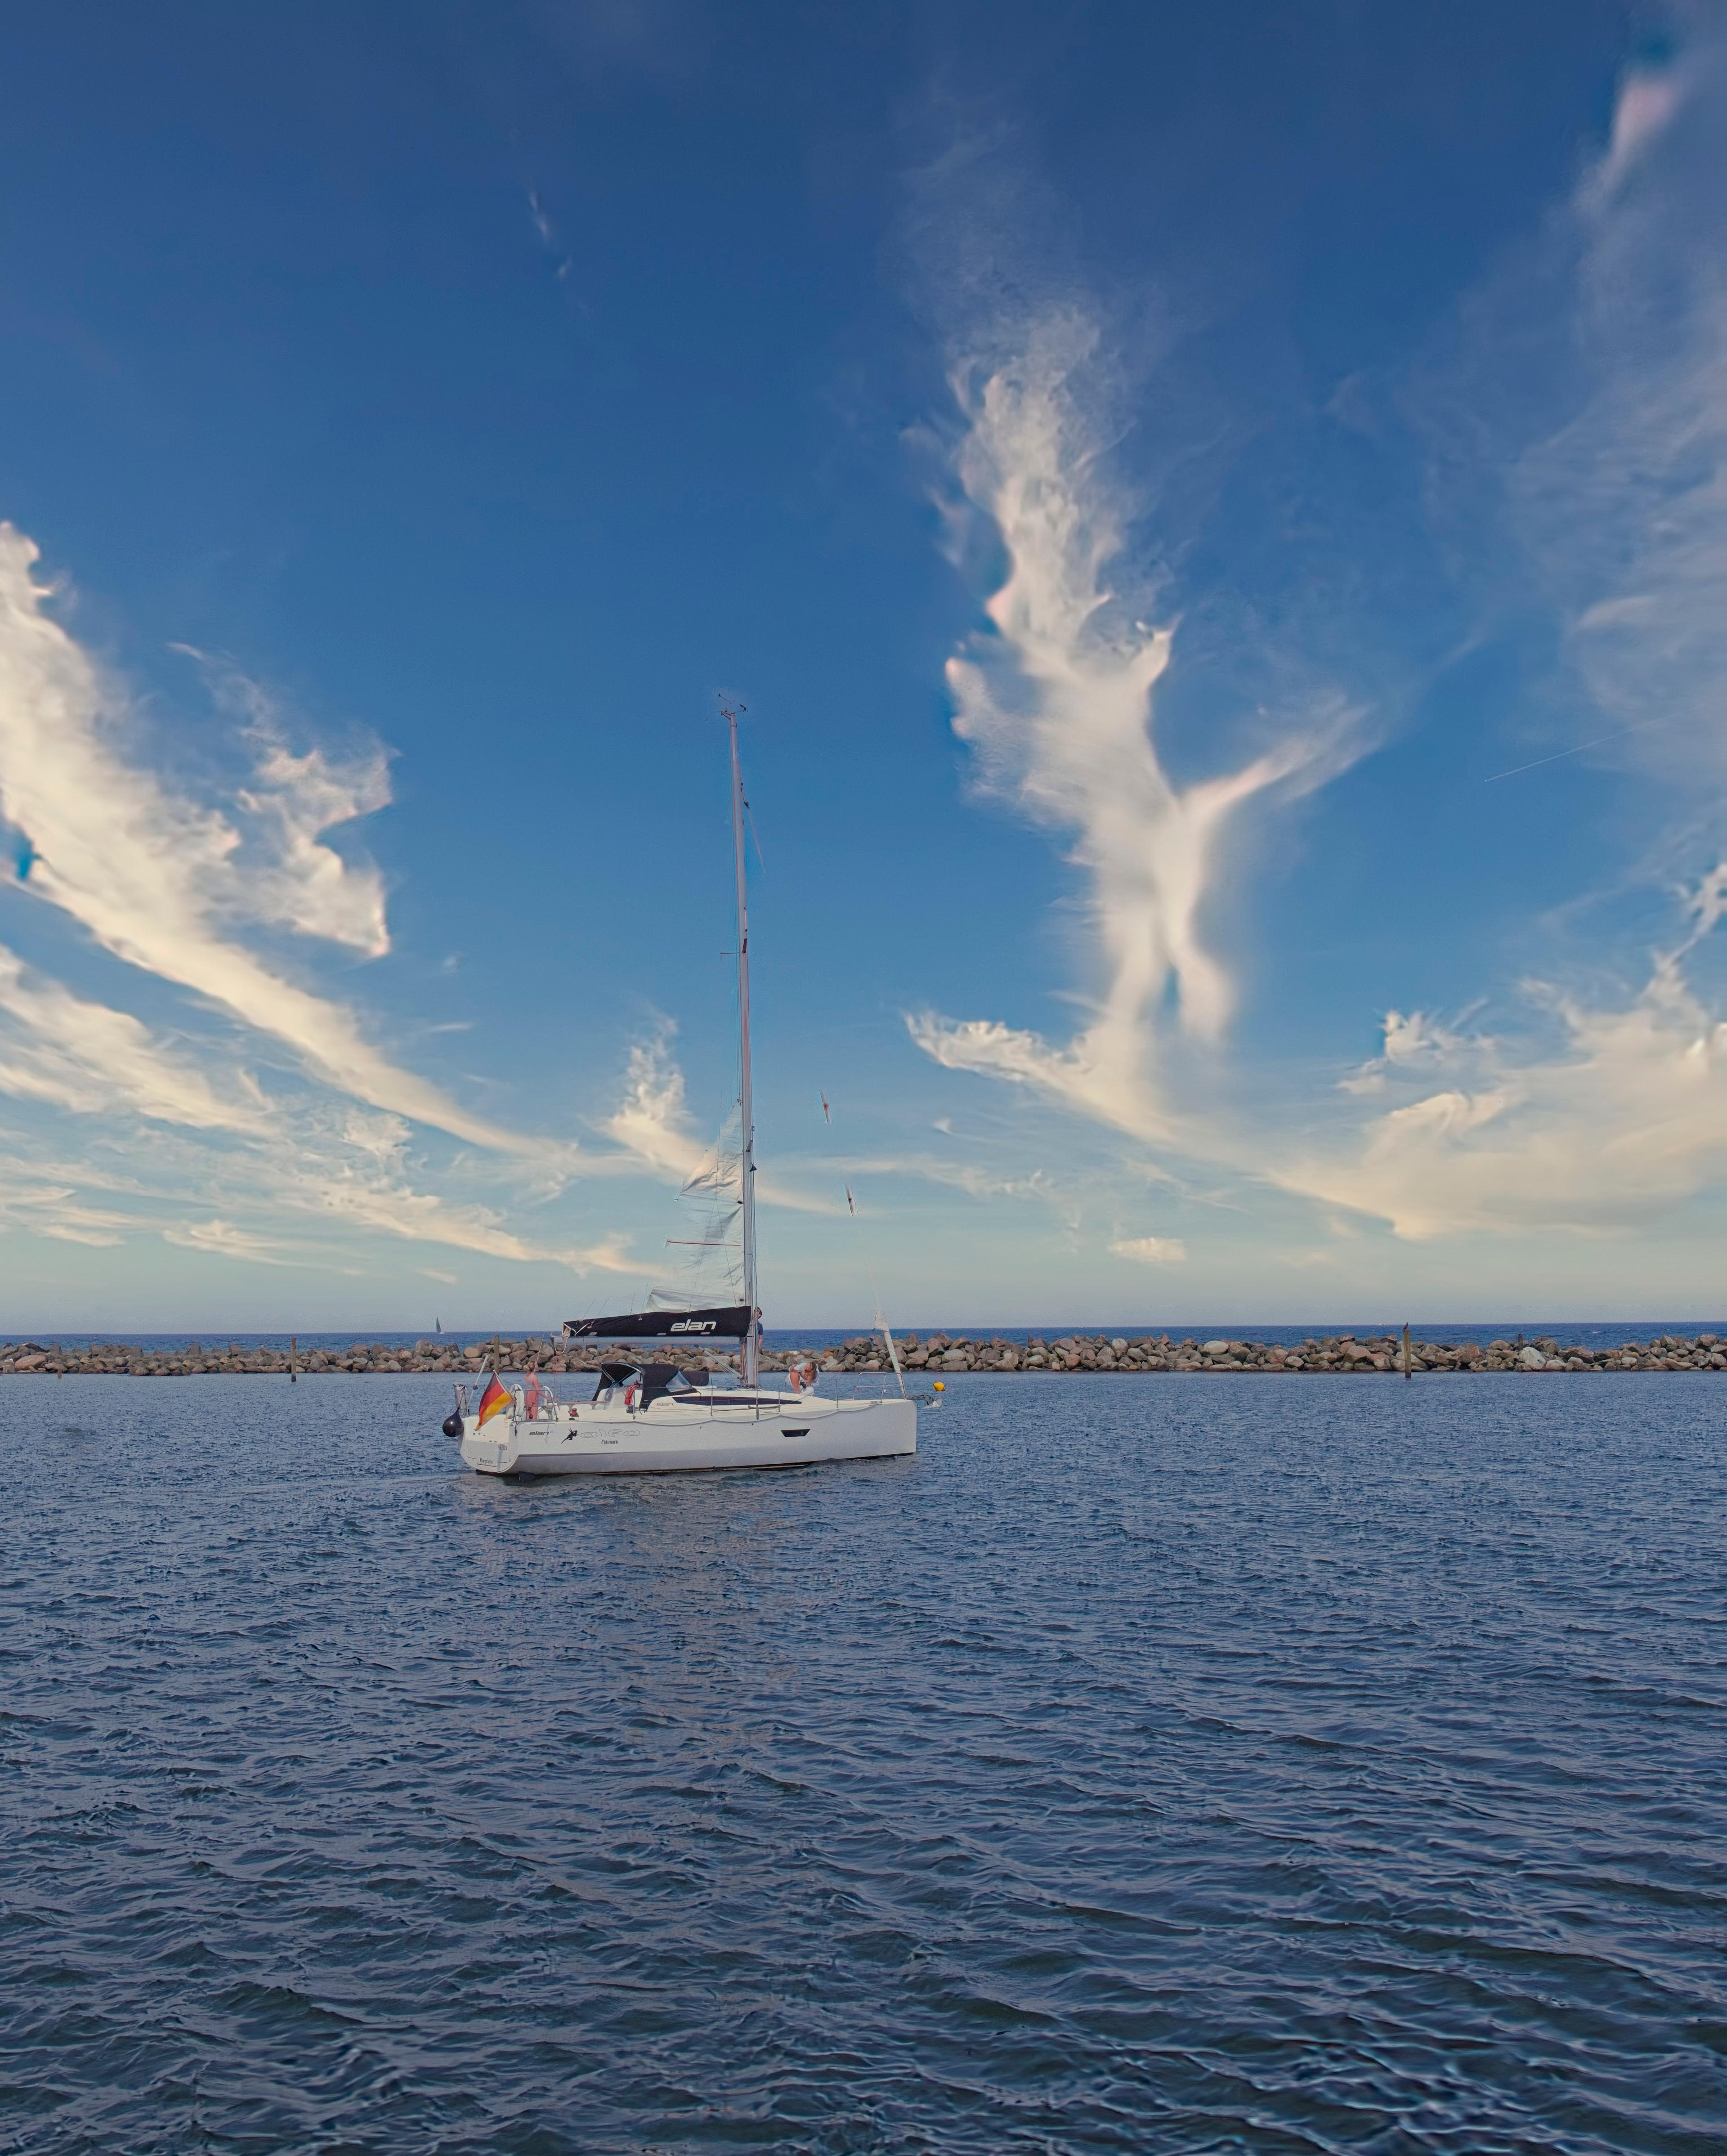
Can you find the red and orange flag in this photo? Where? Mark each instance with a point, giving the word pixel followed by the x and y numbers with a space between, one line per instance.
pixel 494 1400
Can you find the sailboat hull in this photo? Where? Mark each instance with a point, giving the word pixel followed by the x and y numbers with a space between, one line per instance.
pixel 672 1438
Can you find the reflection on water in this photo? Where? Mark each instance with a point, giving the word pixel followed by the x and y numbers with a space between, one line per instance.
pixel 1223 1766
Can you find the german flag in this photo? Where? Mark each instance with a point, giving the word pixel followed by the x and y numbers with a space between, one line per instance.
pixel 494 1400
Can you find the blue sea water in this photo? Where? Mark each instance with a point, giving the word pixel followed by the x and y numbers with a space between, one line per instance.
pixel 1150 1764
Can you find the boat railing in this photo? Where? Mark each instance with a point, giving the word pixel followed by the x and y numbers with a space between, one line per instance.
pixel 771 1395
pixel 858 1385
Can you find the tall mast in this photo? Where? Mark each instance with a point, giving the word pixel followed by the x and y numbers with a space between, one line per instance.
pixel 751 1342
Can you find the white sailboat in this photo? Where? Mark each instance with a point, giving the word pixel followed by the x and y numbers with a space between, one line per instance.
pixel 646 1417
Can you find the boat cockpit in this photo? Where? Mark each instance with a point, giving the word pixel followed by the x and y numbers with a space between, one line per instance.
pixel 635 1387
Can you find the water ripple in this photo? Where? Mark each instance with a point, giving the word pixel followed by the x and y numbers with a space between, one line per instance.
pixel 1220 1766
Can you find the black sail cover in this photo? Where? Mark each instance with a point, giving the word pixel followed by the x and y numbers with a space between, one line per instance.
pixel 730 1322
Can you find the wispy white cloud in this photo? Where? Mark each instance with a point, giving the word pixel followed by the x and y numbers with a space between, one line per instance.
pixel 653 1130
pixel 288 877
pixel 1410 1042
pixel 1647 100
pixel 316 1180
pixel 168 883
pixel 1588 1109
pixel 222 1238
pixel 1058 700
pixel 305 885
pixel 1622 1117
pixel 354 1169
pixel 548 236
pixel 1152 1250
pixel 1583 1108
pixel 171 883
pixel 1621 511
pixel 56 1210
pixel 651 1123
pixel 84 1056
pixel 184 1142
pixel 158 880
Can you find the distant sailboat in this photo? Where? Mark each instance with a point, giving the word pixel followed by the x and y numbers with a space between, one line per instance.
pixel 646 1417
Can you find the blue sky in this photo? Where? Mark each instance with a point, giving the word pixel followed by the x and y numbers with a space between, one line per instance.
pixel 1218 519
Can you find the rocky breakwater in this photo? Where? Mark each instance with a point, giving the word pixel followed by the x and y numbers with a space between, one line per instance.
pixel 1338 1354
pixel 121 1358
pixel 934 1355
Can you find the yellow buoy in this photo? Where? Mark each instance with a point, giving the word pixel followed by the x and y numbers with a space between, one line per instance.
pixel 940 1387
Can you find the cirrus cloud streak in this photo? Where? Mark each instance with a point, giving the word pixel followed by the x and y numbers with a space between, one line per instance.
pixel 159 880
pixel 1058 698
